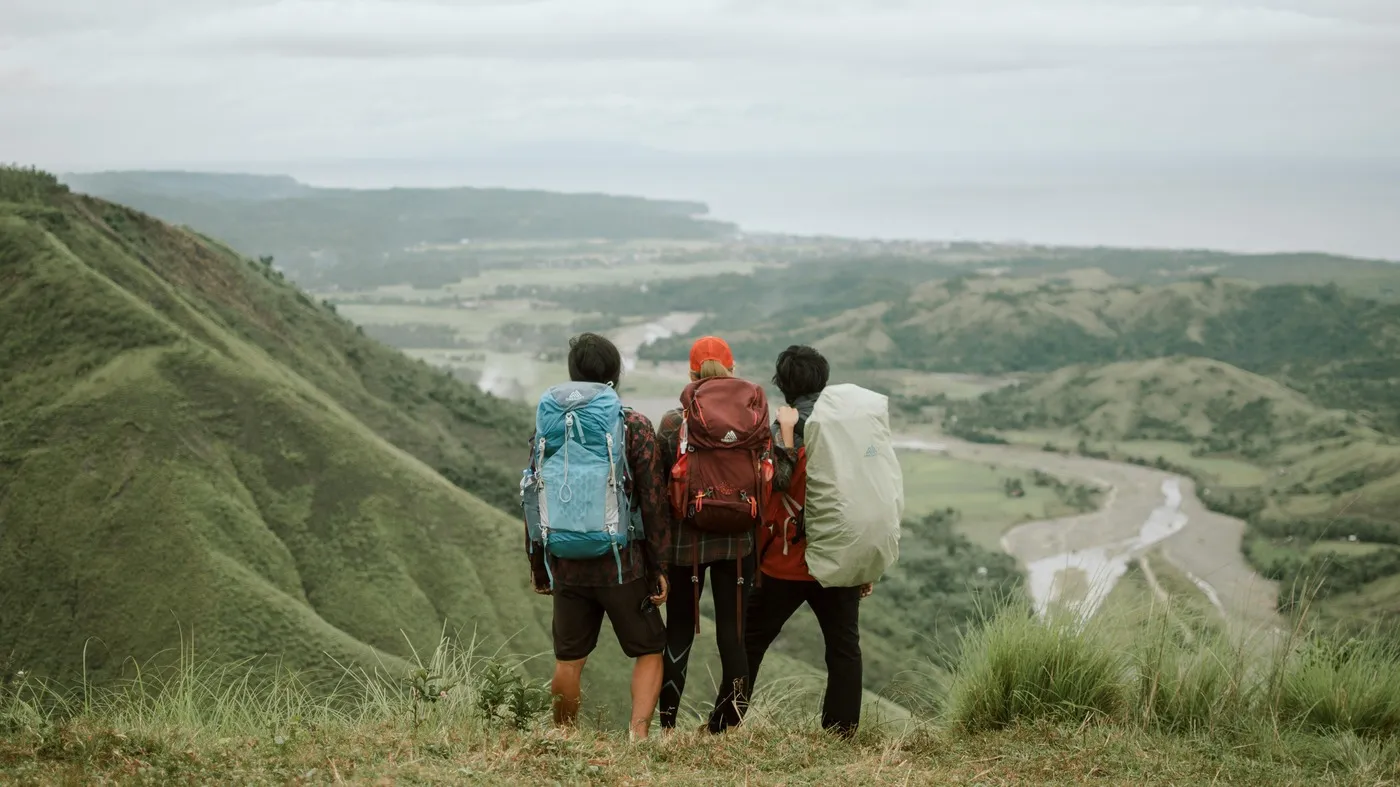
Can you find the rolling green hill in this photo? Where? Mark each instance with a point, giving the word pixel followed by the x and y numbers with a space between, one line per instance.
pixel 189 441
pixel 1212 404
pixel 1340 350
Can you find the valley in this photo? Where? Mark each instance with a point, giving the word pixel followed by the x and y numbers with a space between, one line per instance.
pixel 1075 561
pixel 1033 346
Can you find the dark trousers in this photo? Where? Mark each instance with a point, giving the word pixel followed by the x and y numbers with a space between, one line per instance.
pixel 838 614
pixel 730 596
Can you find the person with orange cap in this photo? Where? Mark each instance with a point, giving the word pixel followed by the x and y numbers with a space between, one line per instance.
pixel 699 547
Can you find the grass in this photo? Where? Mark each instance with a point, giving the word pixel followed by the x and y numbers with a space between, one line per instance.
pixel 1044 702
pixel 977 492
pixel 1017 669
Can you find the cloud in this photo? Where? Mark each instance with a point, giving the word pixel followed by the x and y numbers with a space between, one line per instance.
pixel 142 80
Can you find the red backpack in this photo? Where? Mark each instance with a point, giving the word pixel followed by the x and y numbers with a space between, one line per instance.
pixel 723 469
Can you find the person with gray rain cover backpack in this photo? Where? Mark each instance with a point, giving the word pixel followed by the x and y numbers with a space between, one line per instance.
pixel 832 524
pixel 598 532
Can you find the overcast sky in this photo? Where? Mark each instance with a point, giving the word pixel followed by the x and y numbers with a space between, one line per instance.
pixel 152 82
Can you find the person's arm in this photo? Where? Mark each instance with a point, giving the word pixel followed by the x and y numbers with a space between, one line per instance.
pixel 785 445
pixel 539 578
pixel 648 482
pixel 668 438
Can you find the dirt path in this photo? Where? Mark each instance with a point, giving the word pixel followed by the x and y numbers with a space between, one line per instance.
pixel 1144 507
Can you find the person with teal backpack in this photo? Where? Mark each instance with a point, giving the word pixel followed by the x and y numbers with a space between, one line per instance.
pixel 598 531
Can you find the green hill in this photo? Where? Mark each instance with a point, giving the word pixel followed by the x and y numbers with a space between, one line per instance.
pixel 1194 400
pixel 190 441
pixel 187 185
pixel 1338 349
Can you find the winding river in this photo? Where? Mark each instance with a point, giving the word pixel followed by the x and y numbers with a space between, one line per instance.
pixel 1076 561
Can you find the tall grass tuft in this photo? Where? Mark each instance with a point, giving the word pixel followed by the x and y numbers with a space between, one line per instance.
pixel 1019 668
pixel 1345 686
pixel 1194 682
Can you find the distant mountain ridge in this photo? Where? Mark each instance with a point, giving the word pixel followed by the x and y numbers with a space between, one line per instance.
pixel 330 237
pixel 188 185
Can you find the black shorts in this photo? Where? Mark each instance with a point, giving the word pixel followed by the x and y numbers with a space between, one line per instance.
pixel 578 617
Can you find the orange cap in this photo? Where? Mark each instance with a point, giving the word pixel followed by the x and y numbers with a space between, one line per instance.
pixel 710 348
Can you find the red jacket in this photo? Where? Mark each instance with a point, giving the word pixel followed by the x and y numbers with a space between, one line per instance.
pixel 782 540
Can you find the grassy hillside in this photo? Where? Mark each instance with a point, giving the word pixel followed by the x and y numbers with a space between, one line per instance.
pixel 188 440
pixel 1366 278
pixel 1166 700
pixel 1339 350
pixel 1214 405
pixel 1321 464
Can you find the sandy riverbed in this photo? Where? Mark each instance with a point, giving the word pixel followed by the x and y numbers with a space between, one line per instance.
pixel 1144 507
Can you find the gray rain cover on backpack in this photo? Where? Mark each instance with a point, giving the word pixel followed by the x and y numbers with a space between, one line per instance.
pixel 855 488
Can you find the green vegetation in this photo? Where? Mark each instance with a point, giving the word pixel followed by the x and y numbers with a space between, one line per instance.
pixel 981 508
pixel 189 439
pixel 302 492
pixel 1335 348
pixel 1302 476
pixel 1047 703
pixel 1150 670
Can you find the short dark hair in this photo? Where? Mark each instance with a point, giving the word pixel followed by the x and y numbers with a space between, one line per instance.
pixel 801 371
pixel 594 359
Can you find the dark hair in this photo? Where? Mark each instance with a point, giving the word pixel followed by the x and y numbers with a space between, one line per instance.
pixel 594 359
pixel 801 371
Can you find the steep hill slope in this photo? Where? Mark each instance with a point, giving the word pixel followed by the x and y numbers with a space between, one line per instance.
pixel 187 440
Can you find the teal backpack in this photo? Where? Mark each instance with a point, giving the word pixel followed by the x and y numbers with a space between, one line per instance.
pixel 575 491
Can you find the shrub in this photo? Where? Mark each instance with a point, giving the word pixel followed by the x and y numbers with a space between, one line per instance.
pixel 1348 686
pixel 1020 668
pixel 1195 683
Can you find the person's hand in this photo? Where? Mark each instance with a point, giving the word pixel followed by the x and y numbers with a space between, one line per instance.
pixel 787 416
pixel 543 590
pixel 867 589
pixel 663 590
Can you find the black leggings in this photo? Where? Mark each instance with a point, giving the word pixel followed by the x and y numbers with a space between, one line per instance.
pixel 729 596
